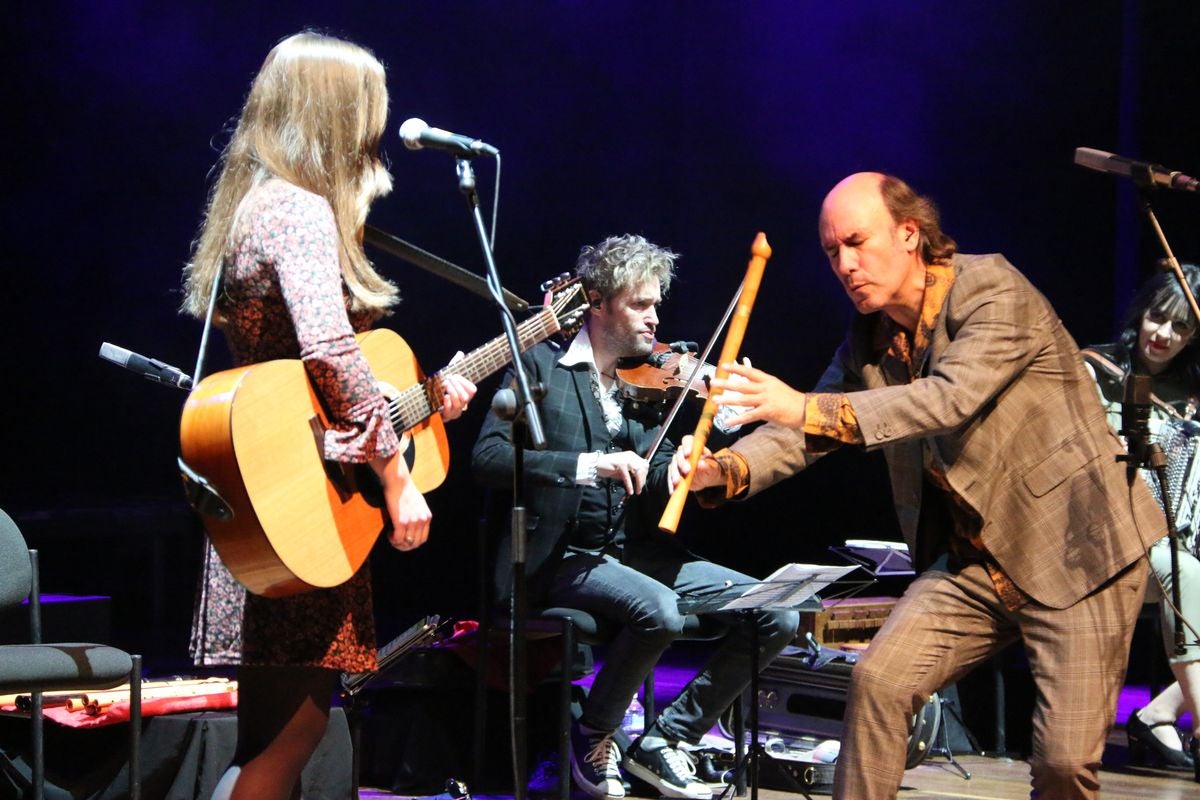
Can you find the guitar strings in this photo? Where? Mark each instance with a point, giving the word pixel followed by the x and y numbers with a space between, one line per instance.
pixel 418 400
pixel 415 404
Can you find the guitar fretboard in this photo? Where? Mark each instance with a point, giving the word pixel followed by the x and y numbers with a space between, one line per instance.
pixel 421 401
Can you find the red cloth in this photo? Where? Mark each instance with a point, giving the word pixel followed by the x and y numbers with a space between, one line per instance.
pixel 119 712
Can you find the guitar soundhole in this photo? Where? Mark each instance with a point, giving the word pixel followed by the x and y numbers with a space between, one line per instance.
pixel 368 485
pixel 367 482
pixel 410 452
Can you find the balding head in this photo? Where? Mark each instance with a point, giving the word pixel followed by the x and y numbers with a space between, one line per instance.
pixel 875 256
pixel 856 189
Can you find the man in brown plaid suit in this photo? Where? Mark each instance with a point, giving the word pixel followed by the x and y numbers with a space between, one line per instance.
pixel 1020 520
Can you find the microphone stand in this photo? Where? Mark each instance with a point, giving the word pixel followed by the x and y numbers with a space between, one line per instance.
pixel 530 424
pixel 466 184
pixel 518 614
pixel 1147 452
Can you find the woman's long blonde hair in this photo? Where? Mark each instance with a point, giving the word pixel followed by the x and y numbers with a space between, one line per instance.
pixel 314 117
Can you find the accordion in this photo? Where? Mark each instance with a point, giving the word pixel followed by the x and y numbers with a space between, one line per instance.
pixel 1179 439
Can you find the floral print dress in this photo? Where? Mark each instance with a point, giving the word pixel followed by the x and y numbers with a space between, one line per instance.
pixel 283 297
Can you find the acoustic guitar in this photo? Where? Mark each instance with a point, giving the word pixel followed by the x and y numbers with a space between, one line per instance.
pixel 283 518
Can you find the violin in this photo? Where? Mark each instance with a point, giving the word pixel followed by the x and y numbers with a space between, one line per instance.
pixel 661 376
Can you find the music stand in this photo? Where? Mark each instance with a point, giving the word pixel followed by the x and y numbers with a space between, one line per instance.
pixel 352 683
pixel 881 559
pixel 791 587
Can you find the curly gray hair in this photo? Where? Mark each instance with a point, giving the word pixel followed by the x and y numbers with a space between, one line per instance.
pixel 621 262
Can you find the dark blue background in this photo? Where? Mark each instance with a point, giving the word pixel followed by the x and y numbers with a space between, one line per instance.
pixel 694 123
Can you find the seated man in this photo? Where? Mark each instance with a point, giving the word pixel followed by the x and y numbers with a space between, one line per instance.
pixel 593 502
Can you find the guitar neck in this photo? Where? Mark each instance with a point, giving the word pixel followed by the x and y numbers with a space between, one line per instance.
pixel 421 401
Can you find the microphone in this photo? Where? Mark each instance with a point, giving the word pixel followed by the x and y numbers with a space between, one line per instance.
pixel 417 135
pixel 1142 173
pixel 149 368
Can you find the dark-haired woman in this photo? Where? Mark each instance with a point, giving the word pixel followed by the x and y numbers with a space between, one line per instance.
pixel 1159 339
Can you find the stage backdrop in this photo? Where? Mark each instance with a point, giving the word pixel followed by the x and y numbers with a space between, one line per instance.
pixel 697 124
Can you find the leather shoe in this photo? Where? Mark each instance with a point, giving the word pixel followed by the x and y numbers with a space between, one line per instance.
pixel 1145 747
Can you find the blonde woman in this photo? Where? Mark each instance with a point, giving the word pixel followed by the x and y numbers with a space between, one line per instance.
pixel 283 232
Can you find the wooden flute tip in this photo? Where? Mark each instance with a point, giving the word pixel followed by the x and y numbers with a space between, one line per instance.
pixel 760 247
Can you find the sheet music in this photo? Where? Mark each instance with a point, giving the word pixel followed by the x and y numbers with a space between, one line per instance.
pixel 788 586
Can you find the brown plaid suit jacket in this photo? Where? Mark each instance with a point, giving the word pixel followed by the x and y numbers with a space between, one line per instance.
pixel 1012 416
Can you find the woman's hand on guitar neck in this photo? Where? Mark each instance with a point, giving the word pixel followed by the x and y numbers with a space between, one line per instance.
pixel 406 505
pixel 457 391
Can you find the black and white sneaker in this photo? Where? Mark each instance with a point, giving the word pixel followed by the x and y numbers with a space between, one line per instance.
pixel 668 769
pixel 595 764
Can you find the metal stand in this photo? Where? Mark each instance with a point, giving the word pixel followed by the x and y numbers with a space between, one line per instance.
pixel 790 593
pixel 525 400
pixel 1146 453
pixel 354 706
pixel 523 408
pixel 943 747
pixel 352 684
pixel 747 761
pixel 518 613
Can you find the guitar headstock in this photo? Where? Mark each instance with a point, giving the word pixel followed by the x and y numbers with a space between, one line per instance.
pixel 565 297
pixel 559 281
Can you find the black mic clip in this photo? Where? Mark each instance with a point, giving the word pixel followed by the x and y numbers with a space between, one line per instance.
pixel 504 402
pixel 660 358
pixel 1135 419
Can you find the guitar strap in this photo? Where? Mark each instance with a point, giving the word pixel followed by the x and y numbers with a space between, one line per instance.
pixel 208 320
pixel 200 493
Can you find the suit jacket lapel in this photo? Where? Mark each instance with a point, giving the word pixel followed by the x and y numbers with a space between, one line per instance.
pixel 593 419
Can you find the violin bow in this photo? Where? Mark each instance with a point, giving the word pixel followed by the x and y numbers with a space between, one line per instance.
pixel 695 373
pixel 760 252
